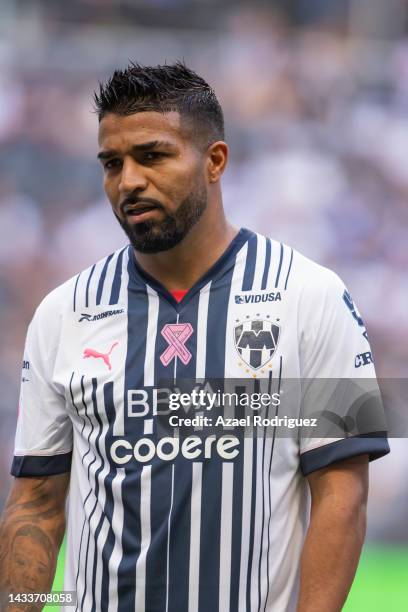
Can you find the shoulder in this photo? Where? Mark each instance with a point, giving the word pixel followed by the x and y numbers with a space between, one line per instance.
pixel 314 279
pixel 92 286
pixel 294 272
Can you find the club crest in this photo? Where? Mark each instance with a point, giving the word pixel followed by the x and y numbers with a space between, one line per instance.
pixel 256 341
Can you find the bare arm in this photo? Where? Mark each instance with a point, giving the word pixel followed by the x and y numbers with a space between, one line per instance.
pixel 31 532
pixel 335 536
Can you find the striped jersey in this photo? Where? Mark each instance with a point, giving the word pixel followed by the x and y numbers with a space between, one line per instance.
pixel 192 524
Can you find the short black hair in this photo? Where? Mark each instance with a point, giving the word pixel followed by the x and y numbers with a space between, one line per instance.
pixel 165 88
pixel 37 534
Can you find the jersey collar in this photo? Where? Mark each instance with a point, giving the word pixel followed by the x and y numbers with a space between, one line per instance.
pixel 138 274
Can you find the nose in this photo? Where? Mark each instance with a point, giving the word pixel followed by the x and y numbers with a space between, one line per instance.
pixel 30 577
pixel 132 177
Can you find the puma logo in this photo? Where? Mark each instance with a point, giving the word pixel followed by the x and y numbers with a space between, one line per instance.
pixel 89 352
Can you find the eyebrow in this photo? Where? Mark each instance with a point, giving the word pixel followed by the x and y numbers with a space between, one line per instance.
pixel 145 146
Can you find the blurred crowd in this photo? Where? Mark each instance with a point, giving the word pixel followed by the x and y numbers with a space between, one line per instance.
pixel 317 123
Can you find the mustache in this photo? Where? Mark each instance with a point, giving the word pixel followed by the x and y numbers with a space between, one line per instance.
pixel 134 201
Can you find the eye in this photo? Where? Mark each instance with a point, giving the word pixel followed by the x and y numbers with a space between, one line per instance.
pixel 21 562
pixel 112 163
pixel 150 156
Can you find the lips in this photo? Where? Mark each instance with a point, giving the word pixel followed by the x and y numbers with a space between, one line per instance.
pixel 140 209
pixel 138 213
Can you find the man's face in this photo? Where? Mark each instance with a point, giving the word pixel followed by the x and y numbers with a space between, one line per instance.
pixel 28 566
pixel 154 177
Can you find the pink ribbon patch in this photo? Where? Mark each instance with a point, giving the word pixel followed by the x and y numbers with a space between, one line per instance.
pixel 176 335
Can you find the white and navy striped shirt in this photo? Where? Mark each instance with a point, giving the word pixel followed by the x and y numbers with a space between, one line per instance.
pixel 191 533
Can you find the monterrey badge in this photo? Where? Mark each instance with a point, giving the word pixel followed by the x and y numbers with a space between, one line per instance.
pixel 256 341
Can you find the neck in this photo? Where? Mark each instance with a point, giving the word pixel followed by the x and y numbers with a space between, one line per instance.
pixel 181 267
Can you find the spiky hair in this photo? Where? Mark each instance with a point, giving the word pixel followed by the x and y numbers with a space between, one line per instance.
pixel 163 89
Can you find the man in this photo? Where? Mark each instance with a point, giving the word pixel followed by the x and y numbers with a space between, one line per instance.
pixel 30 560
pixel 202 522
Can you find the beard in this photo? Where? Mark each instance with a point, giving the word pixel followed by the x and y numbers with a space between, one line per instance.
pixel 157 236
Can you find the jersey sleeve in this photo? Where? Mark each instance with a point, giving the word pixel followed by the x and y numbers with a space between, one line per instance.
pixel 43 442
pixel 339 387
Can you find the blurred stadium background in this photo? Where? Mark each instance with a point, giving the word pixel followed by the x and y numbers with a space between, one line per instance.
pixel 315 94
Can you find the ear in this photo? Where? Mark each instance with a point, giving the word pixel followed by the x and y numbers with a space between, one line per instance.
pixel 217 157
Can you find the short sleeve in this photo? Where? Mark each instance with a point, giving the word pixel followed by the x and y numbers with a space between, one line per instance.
pixel 339 387
pixel 43 442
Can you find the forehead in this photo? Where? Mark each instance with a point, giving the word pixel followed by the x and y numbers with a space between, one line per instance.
pixel 117 132
pixel 23 540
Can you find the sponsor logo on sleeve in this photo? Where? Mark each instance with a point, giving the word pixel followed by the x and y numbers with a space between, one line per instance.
pixel 348 300
pixel 363 359
pixel 26 368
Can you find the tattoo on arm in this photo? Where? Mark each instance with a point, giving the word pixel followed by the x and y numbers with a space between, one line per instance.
pixel 30 536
